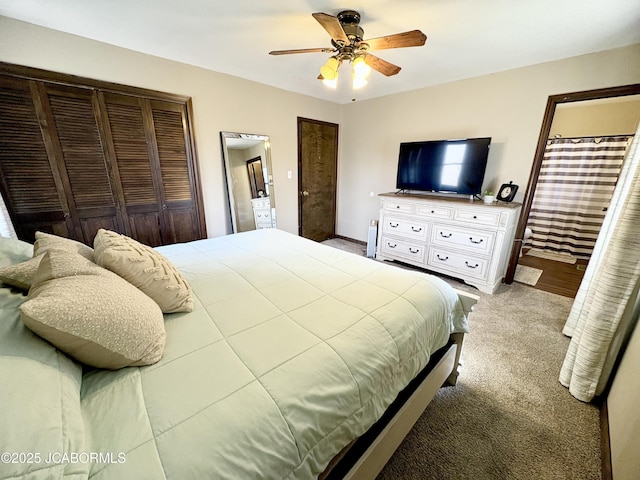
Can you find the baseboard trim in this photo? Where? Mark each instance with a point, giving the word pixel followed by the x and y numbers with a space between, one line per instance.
pixel 605 442
pixel 351 239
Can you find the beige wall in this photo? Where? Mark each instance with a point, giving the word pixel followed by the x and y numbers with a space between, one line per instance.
pixel 624 417
pixel 600 117
pixel 507 106
pixel 220 103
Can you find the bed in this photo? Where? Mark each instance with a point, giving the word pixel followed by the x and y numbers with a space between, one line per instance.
pixel 293 356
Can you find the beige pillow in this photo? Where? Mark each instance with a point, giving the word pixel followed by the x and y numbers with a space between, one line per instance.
pixel 21 274
pixel 92 314
pixel 46 241
pixel 145 268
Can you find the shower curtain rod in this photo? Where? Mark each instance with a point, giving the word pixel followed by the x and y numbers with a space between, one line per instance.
pixel 560 137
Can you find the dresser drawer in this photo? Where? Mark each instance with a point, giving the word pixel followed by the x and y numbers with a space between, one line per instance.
pixel 393 206
pixel 458 263
pixel 406 228
pixel 400 249
pixel 478 217
pixel 465 238
pixel 434 211
pixel 262 214
pixel 260 203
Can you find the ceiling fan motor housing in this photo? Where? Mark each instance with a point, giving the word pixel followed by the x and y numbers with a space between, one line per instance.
pixel 350 21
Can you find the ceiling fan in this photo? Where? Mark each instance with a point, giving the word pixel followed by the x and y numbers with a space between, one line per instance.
pixel 348 45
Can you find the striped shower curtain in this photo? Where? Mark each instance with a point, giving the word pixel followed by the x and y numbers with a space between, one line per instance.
pixel 574 188
pixel 606 308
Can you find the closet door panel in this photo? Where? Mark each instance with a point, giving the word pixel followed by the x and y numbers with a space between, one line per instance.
pixel 83 166
pixel 77 155
pixel 27 182
pixel 129 139
pixel 181 222
pixel 145 227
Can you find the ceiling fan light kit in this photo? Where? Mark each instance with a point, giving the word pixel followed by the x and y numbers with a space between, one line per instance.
pixel 348 45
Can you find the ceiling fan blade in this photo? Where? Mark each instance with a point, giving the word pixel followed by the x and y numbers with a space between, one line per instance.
pixel 300 50
pixel 332 25
pixel 414 38
pixel 381 65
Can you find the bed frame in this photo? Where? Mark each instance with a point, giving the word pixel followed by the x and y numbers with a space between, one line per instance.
pixel 367 456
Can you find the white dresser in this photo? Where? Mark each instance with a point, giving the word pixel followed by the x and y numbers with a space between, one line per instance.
pixel 262 212
pixel 454 236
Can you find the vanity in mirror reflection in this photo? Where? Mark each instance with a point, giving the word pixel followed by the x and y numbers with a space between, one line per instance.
pixel 247 161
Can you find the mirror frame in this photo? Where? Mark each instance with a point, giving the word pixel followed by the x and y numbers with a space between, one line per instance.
pixel 226 140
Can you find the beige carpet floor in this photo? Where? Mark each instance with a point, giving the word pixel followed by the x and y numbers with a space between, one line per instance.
pixel 508 417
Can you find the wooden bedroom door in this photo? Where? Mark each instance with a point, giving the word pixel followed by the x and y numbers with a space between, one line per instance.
pixel 317 178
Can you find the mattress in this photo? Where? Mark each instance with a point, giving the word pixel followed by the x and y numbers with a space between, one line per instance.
pixel 292 351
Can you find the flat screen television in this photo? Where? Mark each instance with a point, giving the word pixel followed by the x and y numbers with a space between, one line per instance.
pixel 443 166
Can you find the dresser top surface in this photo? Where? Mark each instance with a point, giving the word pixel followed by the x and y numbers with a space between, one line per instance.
pixel 462 201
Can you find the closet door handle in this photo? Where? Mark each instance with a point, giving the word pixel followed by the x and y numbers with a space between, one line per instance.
pixel 475 241
pixel 471 266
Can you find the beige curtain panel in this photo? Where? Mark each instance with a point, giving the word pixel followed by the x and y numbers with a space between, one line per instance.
pixel 604 310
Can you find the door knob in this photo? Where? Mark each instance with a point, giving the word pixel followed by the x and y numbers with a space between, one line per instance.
pixel 304 193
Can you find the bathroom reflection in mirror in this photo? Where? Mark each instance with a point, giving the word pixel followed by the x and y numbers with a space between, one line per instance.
pixel 247 161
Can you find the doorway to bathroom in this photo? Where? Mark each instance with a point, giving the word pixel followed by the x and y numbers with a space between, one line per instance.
pixel 584 151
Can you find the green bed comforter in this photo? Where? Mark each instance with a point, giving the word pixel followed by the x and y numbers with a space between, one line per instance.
pixel 293 350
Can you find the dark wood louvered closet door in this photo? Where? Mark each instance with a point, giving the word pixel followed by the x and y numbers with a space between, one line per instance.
pixel 81 165
pixel 77 155
pixel 30 189
pixel 148 145
pixel 178 193
pixel 132 160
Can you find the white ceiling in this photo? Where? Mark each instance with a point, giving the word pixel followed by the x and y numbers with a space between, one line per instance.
pixel 465 38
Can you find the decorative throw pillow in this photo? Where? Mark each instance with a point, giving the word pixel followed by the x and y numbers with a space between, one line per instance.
pixel 92 314
pixel 45 241
pixel 14 251
pixel 21 274
pixel 145 268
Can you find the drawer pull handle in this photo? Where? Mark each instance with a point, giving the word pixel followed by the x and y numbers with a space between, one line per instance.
pixel 393 226
pixel 416 229
pixel 475 241
pixel 475 217
pixel 433 211
pixel 445 236
pixel 471 266
pixel 397 206
pixel 444 259
pixel 392 246
pixel 414 251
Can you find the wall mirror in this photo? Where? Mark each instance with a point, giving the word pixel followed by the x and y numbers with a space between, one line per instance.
pixel 247 162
